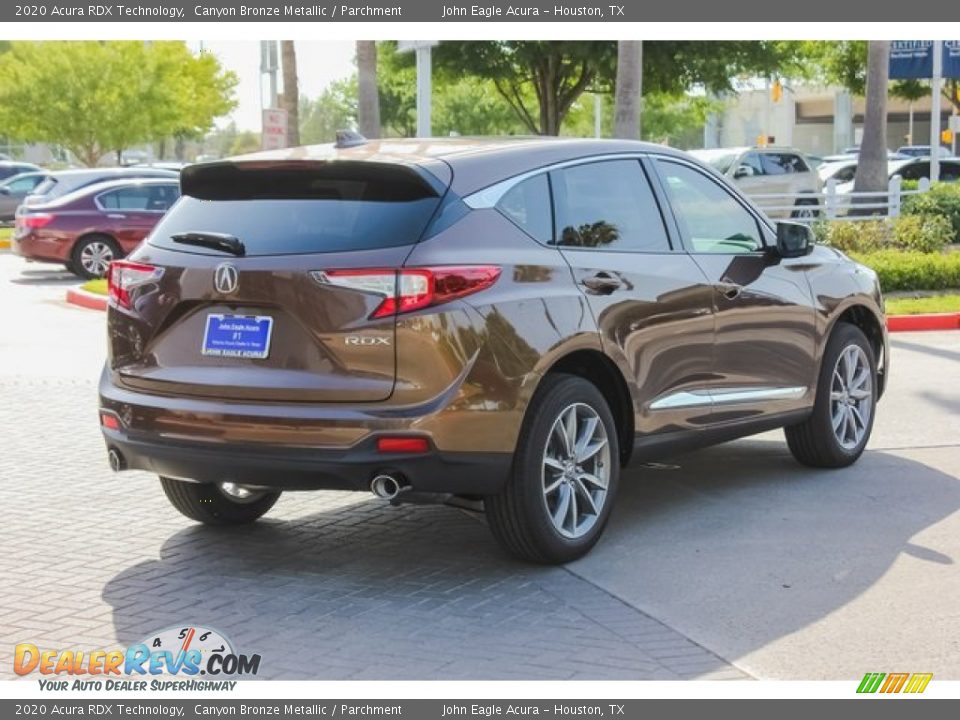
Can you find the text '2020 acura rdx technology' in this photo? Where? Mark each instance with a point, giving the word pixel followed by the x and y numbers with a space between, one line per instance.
pixel 505 321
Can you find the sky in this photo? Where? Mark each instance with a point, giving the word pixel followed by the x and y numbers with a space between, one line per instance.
pixel 318 64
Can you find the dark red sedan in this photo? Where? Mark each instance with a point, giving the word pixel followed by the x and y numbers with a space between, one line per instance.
pixel 87 229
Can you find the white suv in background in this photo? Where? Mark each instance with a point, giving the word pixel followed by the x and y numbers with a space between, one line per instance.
pixel 769 171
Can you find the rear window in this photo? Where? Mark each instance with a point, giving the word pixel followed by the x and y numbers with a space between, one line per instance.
pixel 45 187
pixel 301 208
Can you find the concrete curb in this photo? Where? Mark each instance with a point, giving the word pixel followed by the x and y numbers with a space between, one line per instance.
pixel 82 298
pixel 931 321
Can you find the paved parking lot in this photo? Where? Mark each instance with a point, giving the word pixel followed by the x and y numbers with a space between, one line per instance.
pixel 728 563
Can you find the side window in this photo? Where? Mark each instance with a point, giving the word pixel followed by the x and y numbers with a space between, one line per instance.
pixel 846 174
pixel 128 198
pixel 773 164
pixel 527 205
pixel 608 205
pixel 710 218
pixel 25 184
pixel 162 197
pixel 752 161
pixel 796 163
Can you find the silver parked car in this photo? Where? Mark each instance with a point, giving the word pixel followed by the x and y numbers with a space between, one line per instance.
pixel 66 181
pixel 13 190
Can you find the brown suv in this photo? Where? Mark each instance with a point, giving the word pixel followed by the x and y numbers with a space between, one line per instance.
pixel 508 321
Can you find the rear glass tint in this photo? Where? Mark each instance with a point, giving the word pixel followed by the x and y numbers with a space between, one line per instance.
pixel 328 207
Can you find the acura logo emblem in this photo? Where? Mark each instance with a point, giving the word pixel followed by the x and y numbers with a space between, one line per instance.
pixel 225 278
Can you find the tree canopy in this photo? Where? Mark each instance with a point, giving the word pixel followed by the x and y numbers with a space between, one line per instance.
pixel 96 97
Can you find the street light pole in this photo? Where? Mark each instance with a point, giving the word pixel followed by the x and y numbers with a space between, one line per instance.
pixel 935 110
pixel 424 127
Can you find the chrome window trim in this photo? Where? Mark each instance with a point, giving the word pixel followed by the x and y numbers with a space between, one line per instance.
pixel 725 396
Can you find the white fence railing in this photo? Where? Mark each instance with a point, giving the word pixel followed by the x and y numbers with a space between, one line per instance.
pixel 831 205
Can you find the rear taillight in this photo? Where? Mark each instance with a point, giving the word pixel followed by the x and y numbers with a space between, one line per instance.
pixel 410 289
pixel 124 275
pixel 36 220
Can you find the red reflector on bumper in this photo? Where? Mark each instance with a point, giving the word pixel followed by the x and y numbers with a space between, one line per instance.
pixel 109 421
pixel 402 445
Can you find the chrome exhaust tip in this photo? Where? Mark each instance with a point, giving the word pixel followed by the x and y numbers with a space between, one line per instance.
pixel 117 463
pixel 385 487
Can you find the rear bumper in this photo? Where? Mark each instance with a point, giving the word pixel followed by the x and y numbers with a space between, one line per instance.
pixel 44 249
pixel 352 468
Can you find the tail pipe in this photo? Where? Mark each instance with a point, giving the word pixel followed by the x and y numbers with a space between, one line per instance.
pixel 387 487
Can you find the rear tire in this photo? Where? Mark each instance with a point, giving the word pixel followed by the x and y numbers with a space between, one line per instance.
pixel 212 504
pixel 92 255
pixel 838 429
pixel 557 499
pixel 805 210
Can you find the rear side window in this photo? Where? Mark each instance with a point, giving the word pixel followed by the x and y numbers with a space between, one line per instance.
pixel 304 208
pixel 527 204
pixel 608 205
pixel 152 198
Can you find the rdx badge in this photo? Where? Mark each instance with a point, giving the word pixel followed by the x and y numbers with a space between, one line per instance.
pixel 365 340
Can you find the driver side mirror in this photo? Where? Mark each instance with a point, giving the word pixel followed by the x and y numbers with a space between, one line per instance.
pixel 743 171
pixel 794 239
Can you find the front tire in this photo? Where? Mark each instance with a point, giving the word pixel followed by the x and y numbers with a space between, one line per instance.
pixel 805 210
pixel 218 503
pixel 564 477
pixel 837 431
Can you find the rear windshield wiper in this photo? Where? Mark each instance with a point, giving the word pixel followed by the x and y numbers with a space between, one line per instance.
pixel 213 240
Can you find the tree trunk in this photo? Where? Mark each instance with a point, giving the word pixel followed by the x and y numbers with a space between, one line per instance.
pixel 291 91
pixel 628 93
pixel 872 165
pixel 368 100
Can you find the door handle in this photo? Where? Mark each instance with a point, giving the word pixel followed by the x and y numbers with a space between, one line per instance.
pixel 601 283
pixel 116 216
pixel 731 291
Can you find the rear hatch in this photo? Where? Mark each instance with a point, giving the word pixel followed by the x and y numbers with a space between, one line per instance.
pixel 248 289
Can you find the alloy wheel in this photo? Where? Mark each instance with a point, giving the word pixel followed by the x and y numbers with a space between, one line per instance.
pixel 575 471
pixel 95 258
pixel 851 397
pixel 241 493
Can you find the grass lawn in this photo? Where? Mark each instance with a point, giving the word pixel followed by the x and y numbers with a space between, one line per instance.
pixel 6 233
pixel 918 306
pixel 96 286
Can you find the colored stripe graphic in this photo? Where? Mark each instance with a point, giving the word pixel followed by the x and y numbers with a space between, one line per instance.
pixel 918 683
pixel 870 682
pixel 894 683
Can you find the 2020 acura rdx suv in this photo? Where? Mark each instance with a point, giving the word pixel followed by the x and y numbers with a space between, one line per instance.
pixel 511 321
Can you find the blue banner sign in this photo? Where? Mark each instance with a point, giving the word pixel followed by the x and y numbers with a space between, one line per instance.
pixel 913 59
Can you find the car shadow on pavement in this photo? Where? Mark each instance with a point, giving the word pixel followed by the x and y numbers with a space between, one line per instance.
pixel 50 276
pixel 362 590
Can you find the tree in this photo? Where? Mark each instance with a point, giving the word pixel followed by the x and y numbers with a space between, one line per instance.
pixel 552 74
pixel 542 81
pixel 291 91
pixel 97 97
pixel 368 109
pixel 335 109
pixel 872 166
pixel 628 93
pixel 245 142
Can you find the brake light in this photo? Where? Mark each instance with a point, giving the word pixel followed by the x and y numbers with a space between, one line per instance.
pixel 36 220
pixel 124 275
pixel 410 289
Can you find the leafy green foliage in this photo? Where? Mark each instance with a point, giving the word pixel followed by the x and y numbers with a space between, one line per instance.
pixel 920 233
pixel 942 199
pixel 923 305
pixel 900 270
pixel 335 109
pixel 96 97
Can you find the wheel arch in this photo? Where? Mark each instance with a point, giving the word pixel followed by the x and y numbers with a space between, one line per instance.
pixel 596 367
pixel 863 317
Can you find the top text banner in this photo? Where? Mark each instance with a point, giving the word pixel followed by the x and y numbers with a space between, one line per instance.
pixel 486 11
